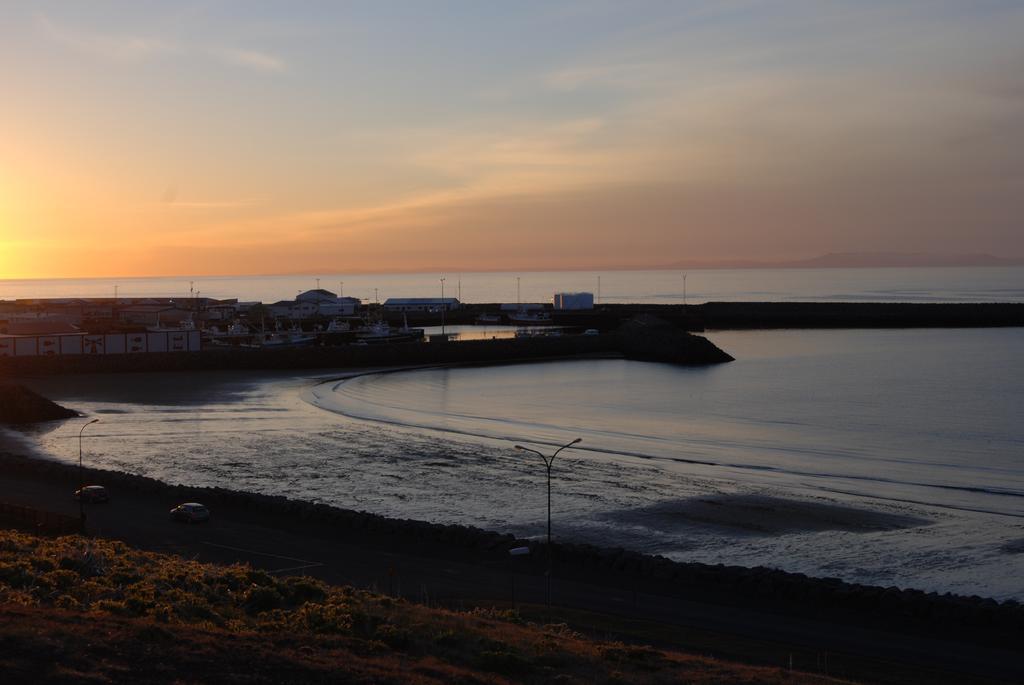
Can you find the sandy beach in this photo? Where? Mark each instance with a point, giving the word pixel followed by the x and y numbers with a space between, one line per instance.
pixel 189 415
pixel 258 432
pixel 764 516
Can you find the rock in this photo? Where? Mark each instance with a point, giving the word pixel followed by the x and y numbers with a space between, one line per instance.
pixel 648 338
pixel 18 405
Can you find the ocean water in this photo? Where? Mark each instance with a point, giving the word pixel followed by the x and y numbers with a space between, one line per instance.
pixel 882 457
pixel 938 284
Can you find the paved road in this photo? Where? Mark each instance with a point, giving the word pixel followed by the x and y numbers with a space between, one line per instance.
pixel 239 535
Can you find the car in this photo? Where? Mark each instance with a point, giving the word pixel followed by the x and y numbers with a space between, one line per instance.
pixel 591 331
pixel 190 512
pixel 92 493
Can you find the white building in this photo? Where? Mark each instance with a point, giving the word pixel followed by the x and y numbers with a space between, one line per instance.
pixel 573 300
pixel 318 295
pixel 313 303
pixel 342 306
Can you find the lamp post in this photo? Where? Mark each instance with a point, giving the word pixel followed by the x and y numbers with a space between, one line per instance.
pixel 442 306
pixel 548 461
pixel 81 475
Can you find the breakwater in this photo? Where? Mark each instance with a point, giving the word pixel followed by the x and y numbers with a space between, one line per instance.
pixel 18 404
pixel 970 618
pixel 754 315
pixel 731 315
pixel 669 344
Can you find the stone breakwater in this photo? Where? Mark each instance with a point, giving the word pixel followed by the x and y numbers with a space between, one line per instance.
pixel 972 618
pixel 20 405
pixel 671 345
pixel 754 315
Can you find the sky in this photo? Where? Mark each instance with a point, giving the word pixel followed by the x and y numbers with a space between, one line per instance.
pixel 154 138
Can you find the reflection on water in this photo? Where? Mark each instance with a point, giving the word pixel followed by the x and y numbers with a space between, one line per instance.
pixel 915 425
pixel 490 331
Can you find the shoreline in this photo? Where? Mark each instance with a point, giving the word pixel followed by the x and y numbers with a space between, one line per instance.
pixel 746 528
pixel 765 588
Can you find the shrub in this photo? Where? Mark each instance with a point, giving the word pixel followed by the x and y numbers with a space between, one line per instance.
pixel 504 662
pixel 18 574
pixel 259 599
pixel 302 590
pixel 62 579
pixel 394 636
pixel 67 602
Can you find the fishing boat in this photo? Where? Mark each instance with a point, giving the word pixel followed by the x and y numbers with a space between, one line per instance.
pixel 381 332
pixel 487 319
pixel 523 316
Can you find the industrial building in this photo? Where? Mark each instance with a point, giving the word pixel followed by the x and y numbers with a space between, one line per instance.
pixel 564 301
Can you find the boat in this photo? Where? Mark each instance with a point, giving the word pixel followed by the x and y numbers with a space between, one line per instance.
pixel 293 337
pixel 380 332
pixel 183 325
pixel 237 333
pixel 487 319
pixel 529 318
pixel 285 339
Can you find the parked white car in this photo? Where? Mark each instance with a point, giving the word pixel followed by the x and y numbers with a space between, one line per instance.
pixel 190 512
pixel 92 493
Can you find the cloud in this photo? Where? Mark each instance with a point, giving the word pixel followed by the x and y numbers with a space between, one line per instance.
pixel 251 59
pixel 120 47
pixel 212 204
pixel 140 47
pixel 625 75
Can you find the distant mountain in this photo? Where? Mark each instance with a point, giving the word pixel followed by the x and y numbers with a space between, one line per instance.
pixel 847 260
pixel 877 259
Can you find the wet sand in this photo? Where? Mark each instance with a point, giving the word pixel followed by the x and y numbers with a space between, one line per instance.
pixel 762 516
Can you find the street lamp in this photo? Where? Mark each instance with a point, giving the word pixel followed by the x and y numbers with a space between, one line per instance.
pixel 81 475
pixel 548 461
pixel 442 306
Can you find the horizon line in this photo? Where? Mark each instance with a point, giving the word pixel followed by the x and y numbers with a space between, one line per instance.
pixel 717 265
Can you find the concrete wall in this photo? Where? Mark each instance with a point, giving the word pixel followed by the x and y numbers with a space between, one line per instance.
pixel 99 344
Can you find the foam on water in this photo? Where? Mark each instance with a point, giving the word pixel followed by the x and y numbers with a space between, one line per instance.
pixel 902 447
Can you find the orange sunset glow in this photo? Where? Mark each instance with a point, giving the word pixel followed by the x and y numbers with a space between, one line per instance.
pixel 168 140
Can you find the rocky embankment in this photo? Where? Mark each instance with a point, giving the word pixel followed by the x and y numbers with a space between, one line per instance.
pixel 649 338
pixel 967 618
pixel 757 315
pixel 20 405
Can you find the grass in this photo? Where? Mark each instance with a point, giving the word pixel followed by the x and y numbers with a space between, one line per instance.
pixel 75 609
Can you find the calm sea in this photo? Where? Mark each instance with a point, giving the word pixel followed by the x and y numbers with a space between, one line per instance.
pixel 891 457
pixel 947 284
pixel 883 457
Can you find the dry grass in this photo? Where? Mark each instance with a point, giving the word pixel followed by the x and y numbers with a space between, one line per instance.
pixel 100 611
